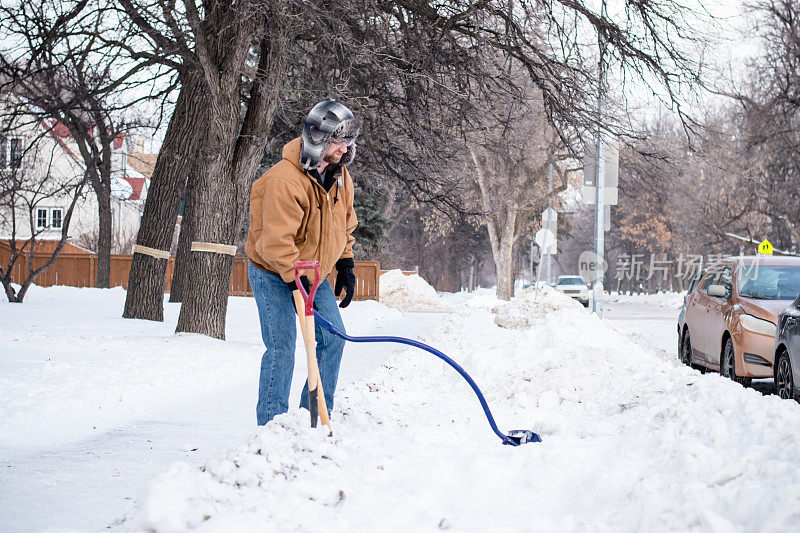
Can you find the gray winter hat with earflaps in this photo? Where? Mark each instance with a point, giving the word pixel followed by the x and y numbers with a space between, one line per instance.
pixel 328 121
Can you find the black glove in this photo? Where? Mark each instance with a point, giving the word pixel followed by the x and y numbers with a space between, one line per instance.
pixel 306 285
pixel 345 279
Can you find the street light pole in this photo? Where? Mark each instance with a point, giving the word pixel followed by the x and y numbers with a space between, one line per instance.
pixel 549 204
pixel 599 218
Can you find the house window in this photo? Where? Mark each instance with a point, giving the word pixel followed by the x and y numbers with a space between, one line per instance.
pixel 15 152
pixel 56 216
pixel 10 152
pixel 41 218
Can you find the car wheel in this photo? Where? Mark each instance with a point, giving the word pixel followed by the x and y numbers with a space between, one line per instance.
pixel 686 349
pixel 727 366
pixel 784 384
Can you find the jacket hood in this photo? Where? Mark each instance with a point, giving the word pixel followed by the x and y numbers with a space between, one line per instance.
pixel 291 153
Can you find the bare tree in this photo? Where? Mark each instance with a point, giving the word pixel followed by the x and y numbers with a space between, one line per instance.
pixel 55 58
pixel 511 155
pixel 236 51
pixel 770 104
pixel 408 67
pixel 431 64
pixel 684 196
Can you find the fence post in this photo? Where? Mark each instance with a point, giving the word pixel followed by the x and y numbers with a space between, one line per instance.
pixel 93 270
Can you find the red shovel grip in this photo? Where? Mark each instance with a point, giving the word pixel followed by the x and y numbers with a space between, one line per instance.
pixel 308 298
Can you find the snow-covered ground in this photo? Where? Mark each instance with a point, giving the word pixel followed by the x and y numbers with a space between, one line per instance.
pixel 76 368
pixel 92 406
pixel 632 440
pixel 670 300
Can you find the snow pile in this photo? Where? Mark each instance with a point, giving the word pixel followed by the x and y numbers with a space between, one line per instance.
pixel 281 459
pixel 480 298
pixel 529 307
pixel 632 441
pixel 408 292
pixel 669 300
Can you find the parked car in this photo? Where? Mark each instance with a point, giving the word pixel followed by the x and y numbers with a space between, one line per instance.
pixel 731 316
pixel 787 353
pixel 689 290
pixel 575 287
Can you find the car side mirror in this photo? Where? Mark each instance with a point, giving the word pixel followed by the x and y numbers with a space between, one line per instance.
pixel 717 290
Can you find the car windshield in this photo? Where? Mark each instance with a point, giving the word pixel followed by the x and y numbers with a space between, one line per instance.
pixel 570 281
pixel 769 282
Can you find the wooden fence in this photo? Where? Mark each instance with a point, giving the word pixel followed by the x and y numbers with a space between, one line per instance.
pixel 77 268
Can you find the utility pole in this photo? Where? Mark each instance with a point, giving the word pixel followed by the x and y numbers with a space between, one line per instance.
pixel 599 218
pixel 549 204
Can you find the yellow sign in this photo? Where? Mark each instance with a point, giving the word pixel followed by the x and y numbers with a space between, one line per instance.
pixel 765 247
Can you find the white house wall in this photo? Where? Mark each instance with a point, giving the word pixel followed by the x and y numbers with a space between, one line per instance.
pixel 65 168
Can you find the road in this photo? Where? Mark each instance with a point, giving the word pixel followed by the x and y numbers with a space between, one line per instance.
pixel 655 325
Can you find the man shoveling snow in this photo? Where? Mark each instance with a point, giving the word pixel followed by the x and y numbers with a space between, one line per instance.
pixel 301 209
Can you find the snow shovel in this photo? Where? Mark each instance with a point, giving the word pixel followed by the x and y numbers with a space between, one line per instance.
pixel 304 303
pixel 514 438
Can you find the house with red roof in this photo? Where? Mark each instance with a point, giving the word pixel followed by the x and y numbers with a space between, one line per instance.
pixel 45 155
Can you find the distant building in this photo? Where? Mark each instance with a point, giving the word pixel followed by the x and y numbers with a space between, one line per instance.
pixel 56 158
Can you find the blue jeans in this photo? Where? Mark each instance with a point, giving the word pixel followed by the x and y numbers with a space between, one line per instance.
pixel 277 314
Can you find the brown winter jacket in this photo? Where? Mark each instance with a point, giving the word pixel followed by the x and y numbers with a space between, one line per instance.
pixel 287 224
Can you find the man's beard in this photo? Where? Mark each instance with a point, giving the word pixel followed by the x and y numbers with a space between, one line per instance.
pixel 332 159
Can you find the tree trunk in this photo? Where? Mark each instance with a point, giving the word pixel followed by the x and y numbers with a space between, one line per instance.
pixel 182 255
pixel 793 230
pixel 205 304
pixel 222 194
pixel 11 295
pixel 502 248
pixel 503 266
pixel 451 274
pixel 229 158
pixel 103 279
pixel 145 298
